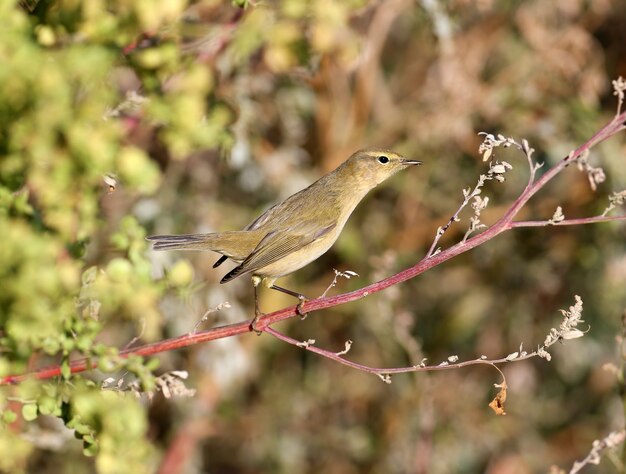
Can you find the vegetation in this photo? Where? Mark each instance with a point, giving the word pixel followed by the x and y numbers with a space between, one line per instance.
pixel 121 118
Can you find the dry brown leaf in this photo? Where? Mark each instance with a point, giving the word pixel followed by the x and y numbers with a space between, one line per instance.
pixel 497 404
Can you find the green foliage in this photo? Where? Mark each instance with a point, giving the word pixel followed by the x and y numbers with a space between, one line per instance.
pixel 60 135
pixel 111 425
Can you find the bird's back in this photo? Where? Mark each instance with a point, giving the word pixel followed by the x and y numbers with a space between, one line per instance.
pixel 319 201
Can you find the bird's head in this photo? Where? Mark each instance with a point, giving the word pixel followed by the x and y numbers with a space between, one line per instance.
pixel 373 166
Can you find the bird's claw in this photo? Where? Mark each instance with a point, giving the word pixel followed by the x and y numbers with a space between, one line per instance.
pixel 253 324
pixel 300 308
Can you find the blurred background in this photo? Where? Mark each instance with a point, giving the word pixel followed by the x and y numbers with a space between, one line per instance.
pixel 120 119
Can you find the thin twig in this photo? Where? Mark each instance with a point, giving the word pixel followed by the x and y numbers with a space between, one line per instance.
pixel 138 336
pixel 444 365
pixel 612 440
pixel 347 275
pixel 619 87
pixel 208 313
pixel 496 172
pixel 566 222
pixel 568 329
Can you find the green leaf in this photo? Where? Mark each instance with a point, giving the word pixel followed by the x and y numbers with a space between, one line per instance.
pixel 29 412
pixel 47 405
pixel 66 371
pixel 9 416
pixel 90 449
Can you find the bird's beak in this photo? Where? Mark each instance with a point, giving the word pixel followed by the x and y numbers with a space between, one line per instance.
pixel 411 162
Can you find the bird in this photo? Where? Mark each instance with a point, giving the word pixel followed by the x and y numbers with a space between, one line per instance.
pixel 296 231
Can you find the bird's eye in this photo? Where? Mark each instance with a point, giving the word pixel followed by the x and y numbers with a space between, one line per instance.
pixel 383 159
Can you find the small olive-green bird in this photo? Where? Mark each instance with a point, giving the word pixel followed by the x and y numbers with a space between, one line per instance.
pixel 298 230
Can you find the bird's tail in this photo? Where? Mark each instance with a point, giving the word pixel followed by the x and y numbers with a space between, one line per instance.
pixel 235 244
pixel 183 242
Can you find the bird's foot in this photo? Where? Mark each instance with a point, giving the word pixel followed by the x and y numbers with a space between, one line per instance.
pixel 254 322
pixel 303 299
pixel 300 308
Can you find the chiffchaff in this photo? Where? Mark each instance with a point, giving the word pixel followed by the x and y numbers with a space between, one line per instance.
pixel 298 230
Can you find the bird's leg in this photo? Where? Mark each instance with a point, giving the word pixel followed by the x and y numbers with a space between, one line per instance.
pixel 257 312
pixel 303 299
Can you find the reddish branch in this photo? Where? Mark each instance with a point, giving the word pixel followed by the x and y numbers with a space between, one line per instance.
pixel 384 373
pixel 503 224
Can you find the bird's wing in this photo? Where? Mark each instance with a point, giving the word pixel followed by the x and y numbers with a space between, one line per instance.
pixel 262 219
pixel 278 244
pixel 277 212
